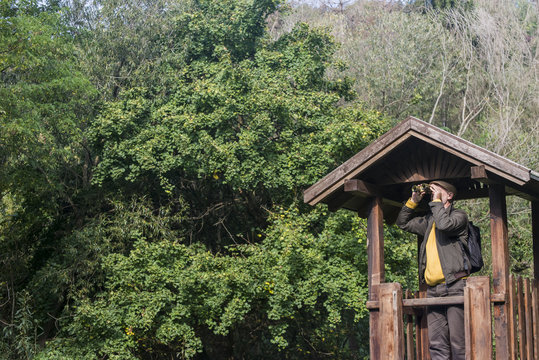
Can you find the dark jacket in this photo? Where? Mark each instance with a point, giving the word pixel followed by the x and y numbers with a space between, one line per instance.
pixel 451 238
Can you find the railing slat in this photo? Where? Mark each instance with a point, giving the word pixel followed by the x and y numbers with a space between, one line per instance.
pixel 535 319
pixel 521 319
pixel 418 344
pixel 528 317
pixel 409 332
pixel 512 319
pixel 477 318
pixel 390 331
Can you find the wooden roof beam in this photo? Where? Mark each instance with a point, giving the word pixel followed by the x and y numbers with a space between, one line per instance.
pixel 480 173
pixel 365 189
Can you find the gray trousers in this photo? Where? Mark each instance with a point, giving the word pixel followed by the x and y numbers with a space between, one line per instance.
pixel 446 323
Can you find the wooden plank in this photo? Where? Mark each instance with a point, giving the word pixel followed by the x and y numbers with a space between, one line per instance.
pixel 500 265
pixel 535 317
pixel 443 301
pixel 418 346
pixel 391 330
pixel 511 319
pixel 424 327
pixel 374 320
pixel 535 238
pixel 422 160
pixel 477 317
pixel 468 325
pixel 445 165
pixel 461 170
pixel 418 303
pixel 454 164
pixel 432 156
pixel 408 173
pixel 409 331
pixel 388 172
pixel 439 161
pixel 528 310
pixel 521 319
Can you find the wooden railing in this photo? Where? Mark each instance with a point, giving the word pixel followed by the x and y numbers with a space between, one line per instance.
pixel 402 328
pixel 524 332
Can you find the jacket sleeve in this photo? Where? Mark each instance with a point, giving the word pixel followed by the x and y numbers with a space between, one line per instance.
pixel 453 222
pixel 407 222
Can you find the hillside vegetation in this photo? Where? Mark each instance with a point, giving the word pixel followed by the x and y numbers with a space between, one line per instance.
pixel 154 155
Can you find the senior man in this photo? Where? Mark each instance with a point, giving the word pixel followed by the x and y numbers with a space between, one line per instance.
pixel 443 264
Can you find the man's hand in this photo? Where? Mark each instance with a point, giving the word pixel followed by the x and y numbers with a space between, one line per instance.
pixel 436 192
pixel 417 196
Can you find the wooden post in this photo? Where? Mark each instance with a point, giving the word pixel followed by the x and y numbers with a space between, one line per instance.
pixel 477 315
pixel 500 266
pixel 535 282
pixel 535 237
pixel 375 253
pixel 391 331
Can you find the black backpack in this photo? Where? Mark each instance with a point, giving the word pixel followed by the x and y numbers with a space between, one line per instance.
pixel 474 247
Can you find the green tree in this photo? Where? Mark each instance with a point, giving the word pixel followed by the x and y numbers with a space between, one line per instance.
pixel 235 137
pixel 45 106
pixel 242 130
pixel 171 224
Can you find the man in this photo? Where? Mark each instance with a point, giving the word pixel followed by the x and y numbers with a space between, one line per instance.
pixel 442 264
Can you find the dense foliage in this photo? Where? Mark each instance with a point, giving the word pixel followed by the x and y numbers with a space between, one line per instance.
pixel 154 156
pixel 164 218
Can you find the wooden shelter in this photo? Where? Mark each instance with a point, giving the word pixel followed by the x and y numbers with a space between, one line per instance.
pixel 377 181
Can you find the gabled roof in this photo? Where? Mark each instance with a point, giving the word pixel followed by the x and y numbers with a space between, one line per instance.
pixel 414 152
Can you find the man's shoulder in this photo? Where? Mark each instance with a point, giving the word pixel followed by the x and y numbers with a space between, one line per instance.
pixel 459 212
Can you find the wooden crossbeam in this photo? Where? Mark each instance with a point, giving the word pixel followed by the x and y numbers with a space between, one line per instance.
pixel 440 301
pixel 363 188
pixel 480 173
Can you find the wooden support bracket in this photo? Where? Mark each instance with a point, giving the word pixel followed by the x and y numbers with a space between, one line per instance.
pixel 479 173
pixel 363 188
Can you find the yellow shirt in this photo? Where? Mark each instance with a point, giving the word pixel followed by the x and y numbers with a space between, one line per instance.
pixel 433 271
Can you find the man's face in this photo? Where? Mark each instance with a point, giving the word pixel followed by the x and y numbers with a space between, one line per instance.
pixel 442 194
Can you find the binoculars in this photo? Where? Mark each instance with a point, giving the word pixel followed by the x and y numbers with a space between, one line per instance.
pixel 421 188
